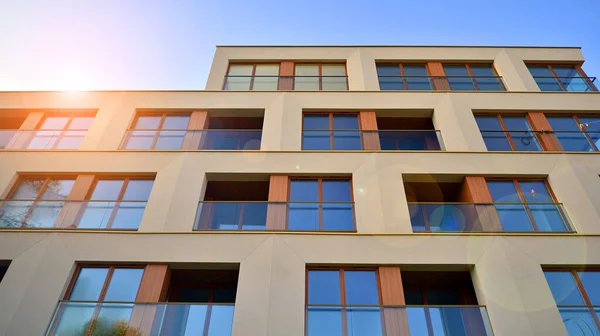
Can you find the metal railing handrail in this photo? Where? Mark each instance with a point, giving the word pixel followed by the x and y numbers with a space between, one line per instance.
pixel 541 131
pixel 277 202
pixel 486 203
pixel 44 130
pixel 148 303
pixel 392 306
pixel 278 76
pixel 361 130
pixel 71 201
pixel 427 76
pixel 194 130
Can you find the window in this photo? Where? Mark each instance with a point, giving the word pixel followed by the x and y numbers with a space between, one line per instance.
pixel 116 204
pixel 527 205
pixel 87 307
pixel 343 302
pixel 480 77
pixel 576 133
pixel 35 202
pixel 561 78
pixel 319 76
pixel 576 293
pixel 403 77
pixel 331 131
pixel 320 204
pixel 256 77
pixel 508 133
pixel 157 131
pixel 60 132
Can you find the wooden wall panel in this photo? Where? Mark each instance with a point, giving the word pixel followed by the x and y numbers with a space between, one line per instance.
pixel 154 284
pixel 392 294
pixel 286 73
pixel 277 212
pixel 71 212
pixel 368 122
pixel 436 69
pixel 478 217
pixel 538 122
pixel 32 121
pixel 198 121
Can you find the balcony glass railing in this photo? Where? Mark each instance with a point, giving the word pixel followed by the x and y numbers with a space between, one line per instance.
pixel 293 216
pixel 404 320
pixel 217 139
pixel 41 139
pixel 453 83
pixel 490 217
pixel 382 139
pixel 581 320
pixel 570 141
pixel 71 214
pixel 571 84
pixel 273 83
pixel 140 319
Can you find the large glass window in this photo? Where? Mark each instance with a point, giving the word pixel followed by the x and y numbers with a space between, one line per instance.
pixel 577 295
pixel 561 78
pixel 576 132
pixel 245 77
pixel 343 302
pixel 480 77
pixel 60 132
pixel 320 76
pixel 116 204
pixel 157 131
pixel 35 202
pixel 403 77
pixel 527 205
pixel 320 204
pixel 81 313
pixel 331 131
pixel 507 132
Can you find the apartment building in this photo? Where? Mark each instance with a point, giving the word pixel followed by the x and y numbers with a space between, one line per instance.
pixel 318 191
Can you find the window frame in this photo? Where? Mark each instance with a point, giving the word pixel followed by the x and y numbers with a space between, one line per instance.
pixel 550 66
pixel 575 118
pixel 507 132
pixel 119 200
pixel 320 76
pixel 158 130
pixel 524 200
pixel 403 74
pixel 320 199
pixel 331 130
pixel 253 75
pixel 107 279
pixel 586 299
pixel 343 305
pixel 47 179
pixel 474 78
pixel 61 132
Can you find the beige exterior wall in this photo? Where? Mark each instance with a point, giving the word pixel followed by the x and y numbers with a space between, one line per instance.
pixel 506 268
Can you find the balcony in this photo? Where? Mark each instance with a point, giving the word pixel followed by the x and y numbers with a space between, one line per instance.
pixel 447 83
pixel 71 214
pixel 274 83
pixel 569 83
pixel 192 139
pixel 46 139
pixel 493 217
pixel 569 141
pixel 417 320
pixel 141 319
pixel 297 216
pixel 359 140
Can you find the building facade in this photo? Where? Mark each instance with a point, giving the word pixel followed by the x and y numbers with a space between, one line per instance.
pixel 377 190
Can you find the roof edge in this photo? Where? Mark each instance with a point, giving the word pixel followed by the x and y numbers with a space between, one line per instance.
pixel 393 46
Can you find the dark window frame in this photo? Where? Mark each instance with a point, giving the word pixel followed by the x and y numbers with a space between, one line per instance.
pixel 331 130
pixel 320 67
pixel 403 74
pixel 159 129
pixel 253 74
pixel 507 131
pixel 581 126
pixel 577 68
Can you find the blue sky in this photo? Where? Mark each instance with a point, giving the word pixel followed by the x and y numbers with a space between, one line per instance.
pixel 169 44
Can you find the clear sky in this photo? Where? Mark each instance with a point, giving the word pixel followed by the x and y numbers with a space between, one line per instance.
pixel 169 44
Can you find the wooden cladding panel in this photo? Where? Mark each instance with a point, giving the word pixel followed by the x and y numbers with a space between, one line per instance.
pixel 286 73
pixel 82 187
pixel 538 122
pixel 198 121
pixel 278 188
pixel 368 122
pixel 32 121
pixel 392 293
pixel 71 213
pixel 436 70
pixel 277 212
pixel 479 217
pixel 154 284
